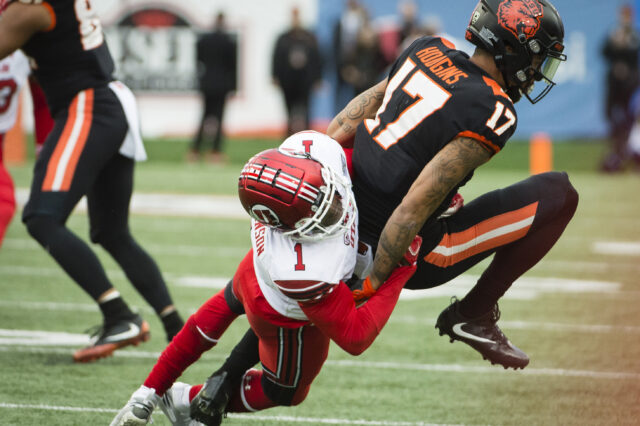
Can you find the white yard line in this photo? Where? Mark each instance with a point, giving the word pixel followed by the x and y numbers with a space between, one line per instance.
pixel 27 244
pixel 617 248
pixel 356 365
pixel 526 288
pixel 180 205
pixel 248 417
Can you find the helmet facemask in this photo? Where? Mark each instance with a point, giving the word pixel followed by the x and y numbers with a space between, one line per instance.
pixel 536 63
pixel 334 212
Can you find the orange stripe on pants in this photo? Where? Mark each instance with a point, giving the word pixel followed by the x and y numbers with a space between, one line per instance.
pixel 486 235
pixel 63 161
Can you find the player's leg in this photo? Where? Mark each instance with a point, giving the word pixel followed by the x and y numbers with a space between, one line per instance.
pixel 199 334
pixel 196 144
pixel 7 197
pixel 218 112
pixel 291 356
pixel 83 139
pixel 108 202
pixel 519 224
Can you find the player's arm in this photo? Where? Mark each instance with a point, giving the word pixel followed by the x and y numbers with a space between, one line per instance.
pixel 455 161
pixel 343 127
pixel 20 22
pixel 355 329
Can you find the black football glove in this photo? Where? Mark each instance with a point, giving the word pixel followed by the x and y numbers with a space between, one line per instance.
pixel 209 405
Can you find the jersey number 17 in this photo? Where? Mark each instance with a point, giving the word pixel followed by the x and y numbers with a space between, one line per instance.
pixel 430 98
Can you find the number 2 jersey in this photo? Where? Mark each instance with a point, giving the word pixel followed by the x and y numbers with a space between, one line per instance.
pixel 434 95
pixel 291 271
pixel 71 55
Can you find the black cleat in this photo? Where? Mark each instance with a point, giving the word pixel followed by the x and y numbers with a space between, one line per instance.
pixel 482 334
pixel 209 406
pixel 112 336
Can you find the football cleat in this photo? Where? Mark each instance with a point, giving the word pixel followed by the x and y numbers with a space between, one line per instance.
pixel 482 334
pixel 111 336
pixel 175 405
pixel 138 409
pixel 210 404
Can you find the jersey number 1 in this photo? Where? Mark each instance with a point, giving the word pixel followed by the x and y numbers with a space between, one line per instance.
pixel 299 265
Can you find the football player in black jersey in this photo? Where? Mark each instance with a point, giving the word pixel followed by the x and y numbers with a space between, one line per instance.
pixel 91 151
pixel 419 135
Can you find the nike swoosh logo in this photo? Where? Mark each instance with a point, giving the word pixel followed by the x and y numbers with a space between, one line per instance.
pixel 133 331
pixel 457 328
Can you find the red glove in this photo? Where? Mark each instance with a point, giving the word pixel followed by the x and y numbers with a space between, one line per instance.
pixel 456 204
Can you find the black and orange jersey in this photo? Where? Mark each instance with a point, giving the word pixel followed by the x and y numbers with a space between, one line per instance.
pixel 434 94
pixel 71 55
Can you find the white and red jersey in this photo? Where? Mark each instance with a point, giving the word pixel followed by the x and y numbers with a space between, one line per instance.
pixel 291 271
pixel 14 71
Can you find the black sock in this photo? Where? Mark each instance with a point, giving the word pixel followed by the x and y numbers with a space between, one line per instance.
pixel 115 309
pixel 172 323
pixel 243 356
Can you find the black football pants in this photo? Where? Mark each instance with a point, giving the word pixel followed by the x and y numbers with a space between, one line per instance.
pixel 519 224
pixel 80 157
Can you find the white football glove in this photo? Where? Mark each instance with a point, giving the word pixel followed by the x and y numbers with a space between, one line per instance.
pixel 139 408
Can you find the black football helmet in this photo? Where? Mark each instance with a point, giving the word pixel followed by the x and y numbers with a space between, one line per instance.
pixel 525 38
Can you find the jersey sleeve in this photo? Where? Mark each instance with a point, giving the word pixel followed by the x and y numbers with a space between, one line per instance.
pixel 305 291
pixel 355 329
pixel 489 116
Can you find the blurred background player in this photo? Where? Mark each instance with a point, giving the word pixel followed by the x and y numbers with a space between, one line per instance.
pixel 296 69
pixel 345 37
pixel 14 71
pixel 621 52
pixel 304 238
pixel 216 54
pixel 90 151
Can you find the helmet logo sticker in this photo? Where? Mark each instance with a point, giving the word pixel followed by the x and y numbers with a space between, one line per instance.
pixel 475 17
pixel 520 16
pixel 265 215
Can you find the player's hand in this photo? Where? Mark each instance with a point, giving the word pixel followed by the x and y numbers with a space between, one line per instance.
pixel 411 255
pixel 361 290
pixel 209 405
pixel 456 204
pixel 137 411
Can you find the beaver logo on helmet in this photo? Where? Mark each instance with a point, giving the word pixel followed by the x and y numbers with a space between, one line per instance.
pixel 520 16
pixel 264 214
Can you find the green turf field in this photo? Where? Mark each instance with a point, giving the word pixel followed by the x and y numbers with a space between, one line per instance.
pixel 577 314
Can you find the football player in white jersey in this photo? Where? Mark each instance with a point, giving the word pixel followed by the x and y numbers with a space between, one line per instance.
pixel 14 71
pixel 291 285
